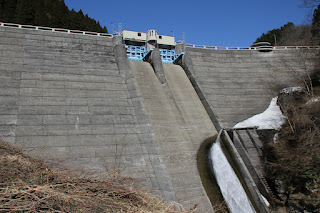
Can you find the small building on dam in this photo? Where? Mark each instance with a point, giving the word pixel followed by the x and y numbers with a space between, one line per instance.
pixel 138 44
pixel 140 103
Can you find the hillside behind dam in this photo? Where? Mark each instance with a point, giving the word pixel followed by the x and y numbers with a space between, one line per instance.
pixel 76 101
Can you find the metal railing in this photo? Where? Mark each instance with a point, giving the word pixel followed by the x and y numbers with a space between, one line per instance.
pixel 79 32
pixel 248 48
pixel 60 30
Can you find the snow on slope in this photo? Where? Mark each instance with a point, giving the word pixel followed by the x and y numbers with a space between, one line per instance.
pixel 271 118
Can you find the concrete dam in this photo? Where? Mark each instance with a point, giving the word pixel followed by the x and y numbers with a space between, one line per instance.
pixel 75 100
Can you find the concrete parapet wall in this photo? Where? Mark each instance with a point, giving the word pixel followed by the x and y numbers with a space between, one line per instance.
pixel 238 84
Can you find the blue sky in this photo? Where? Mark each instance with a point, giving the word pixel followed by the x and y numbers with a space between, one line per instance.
pixel 207 22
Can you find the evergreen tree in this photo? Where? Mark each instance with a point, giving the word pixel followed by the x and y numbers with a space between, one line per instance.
pixel 315 29
pixel 2 2
pixel 59 12
pixel 7 10
pixel 275 35
pixel 51 13
pixel 40 18
pixel 25 12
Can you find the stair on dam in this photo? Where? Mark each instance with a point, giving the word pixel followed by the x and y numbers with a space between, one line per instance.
pixel 248 141
pixel 180 123
pixel 249 147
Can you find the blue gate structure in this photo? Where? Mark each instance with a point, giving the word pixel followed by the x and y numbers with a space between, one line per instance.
pixel 167 56
pixel 136 53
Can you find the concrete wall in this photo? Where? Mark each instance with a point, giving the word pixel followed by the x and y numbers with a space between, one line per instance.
pixel 181 124
pixel 64 98
pixel 76 101
pixel 237 84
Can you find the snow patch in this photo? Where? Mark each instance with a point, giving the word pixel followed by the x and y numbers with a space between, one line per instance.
pixel 275 137
pixel 271 118
pixel 265 200
pixel 291 89
pixel 313 100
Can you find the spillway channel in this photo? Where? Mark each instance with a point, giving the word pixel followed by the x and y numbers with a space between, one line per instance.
pixel 230 186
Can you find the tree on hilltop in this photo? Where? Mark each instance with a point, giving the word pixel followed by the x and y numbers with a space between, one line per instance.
pixel 7 9
pixel 50 13
pixel 25 12
pixel 274 36
pixel 315 29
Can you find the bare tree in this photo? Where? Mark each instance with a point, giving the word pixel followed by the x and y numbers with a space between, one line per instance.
pixel 296 36
pixel 312 4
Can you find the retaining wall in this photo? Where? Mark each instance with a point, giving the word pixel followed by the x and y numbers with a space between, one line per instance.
pixel 237 84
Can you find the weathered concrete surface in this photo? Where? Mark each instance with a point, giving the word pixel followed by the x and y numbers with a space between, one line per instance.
pixel 76 101
pixel 181 124
pixel 237 84
pixel 249 147
pixel 64 98
pixel 245 173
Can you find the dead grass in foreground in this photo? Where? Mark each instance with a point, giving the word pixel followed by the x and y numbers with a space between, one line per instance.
pixel 28 185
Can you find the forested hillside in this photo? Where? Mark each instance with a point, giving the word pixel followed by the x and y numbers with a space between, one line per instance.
pixel 292 35
pixel 50 13
pixel 288 35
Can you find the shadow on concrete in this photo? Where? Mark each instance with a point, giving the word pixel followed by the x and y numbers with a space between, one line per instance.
pixel 206 173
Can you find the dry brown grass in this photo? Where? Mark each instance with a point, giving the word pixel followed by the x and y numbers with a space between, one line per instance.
pixel 294 160
pixel 29 185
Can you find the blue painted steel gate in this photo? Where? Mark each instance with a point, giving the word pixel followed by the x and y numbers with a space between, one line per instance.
pixel 136 53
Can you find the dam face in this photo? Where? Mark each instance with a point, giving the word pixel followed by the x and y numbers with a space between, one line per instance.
pixel 63 99
pixel 181 124
pixel 237 84
pixel 76 101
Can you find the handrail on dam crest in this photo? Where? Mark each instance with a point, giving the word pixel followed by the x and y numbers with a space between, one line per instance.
pixel 60 30
pixel 247 48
